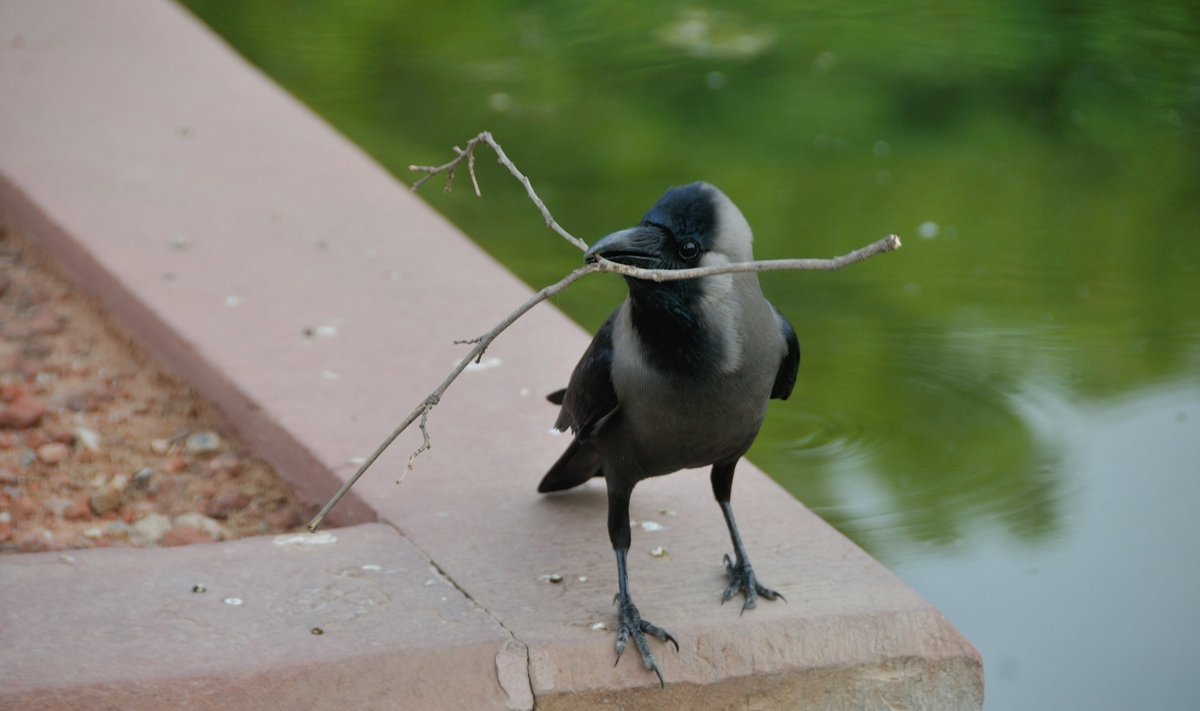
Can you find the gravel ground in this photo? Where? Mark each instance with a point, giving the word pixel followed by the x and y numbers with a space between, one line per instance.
pixel 98 445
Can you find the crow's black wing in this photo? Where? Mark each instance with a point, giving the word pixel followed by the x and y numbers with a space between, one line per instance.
pixel 590 396
pixel 785 379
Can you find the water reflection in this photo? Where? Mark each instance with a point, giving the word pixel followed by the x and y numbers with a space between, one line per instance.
pixel 1102 618
pixel 1038 159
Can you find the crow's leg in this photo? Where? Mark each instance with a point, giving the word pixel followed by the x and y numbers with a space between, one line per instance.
pixel 741 574
pixel 629 622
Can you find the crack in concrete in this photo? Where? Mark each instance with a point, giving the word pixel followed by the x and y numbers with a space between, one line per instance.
pixel 512 660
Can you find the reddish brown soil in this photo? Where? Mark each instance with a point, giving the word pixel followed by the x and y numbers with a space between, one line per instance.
pixel 95 437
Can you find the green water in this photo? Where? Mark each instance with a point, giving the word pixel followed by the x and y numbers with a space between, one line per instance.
pixel 1007 411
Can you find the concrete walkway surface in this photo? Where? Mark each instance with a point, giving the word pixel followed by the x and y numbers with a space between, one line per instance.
pixel 219 221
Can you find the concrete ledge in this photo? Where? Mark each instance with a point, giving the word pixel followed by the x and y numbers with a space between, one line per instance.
pixel 137 632
pixel 218 220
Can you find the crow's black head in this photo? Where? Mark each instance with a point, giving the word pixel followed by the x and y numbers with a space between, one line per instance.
pixel 690 226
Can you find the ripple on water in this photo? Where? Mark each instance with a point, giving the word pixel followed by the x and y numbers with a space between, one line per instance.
pixel 954 449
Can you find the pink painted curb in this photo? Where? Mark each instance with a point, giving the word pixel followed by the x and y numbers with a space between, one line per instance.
pixel 218 220
pixel 257 623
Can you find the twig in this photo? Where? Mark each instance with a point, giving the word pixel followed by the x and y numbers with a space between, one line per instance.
pixel 468 154
pixel 430 402
pixel 888 244
pixel 481 343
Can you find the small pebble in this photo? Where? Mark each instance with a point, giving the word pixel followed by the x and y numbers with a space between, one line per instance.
pixel 224 463
pixel 227 502
pixel 599 626
pixel 90 439
pixel 213 529
pixel 658 552
pixel 203 442
pixel 149 530
pixel 106 499
pixel 317 631
pixel 52 453
pixel 199 588
pixel 551 578
pixel 79 510
pixel 23 412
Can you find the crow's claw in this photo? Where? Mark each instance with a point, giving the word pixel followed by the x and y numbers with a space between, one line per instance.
pixel 630 624
pixel 742 580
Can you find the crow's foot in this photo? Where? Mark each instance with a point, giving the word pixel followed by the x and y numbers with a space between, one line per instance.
pixel 742 580
pixel 631 624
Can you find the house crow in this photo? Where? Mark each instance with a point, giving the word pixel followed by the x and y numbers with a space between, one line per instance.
pixel 678 377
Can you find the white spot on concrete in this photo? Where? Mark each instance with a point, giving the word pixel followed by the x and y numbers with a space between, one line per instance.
pixel 326 331
pixel 524 392
pixel 305 540
pixel 331 375
pixel 651 526
pixel 234 601
pixel 372 567
pixel 233 300
pixel 599 626
pixel 658 552
pixel 554 431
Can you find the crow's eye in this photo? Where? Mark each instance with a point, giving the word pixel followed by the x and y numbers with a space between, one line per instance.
pixel 689 250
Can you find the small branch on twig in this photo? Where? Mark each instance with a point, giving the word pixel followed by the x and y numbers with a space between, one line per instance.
pixel 604 266
pixel 426 445
pixel 468 154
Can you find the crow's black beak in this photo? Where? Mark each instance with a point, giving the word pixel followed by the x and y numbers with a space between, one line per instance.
pixel 639 246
